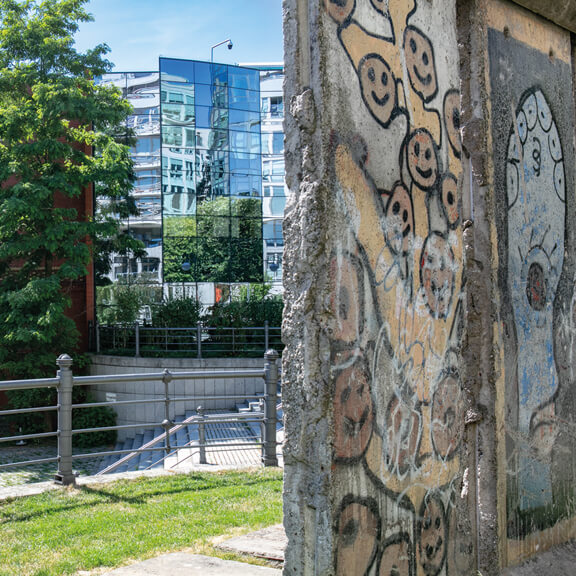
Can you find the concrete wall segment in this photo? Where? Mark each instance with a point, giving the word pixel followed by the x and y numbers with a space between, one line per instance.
pixel 373 393
pixel 561 12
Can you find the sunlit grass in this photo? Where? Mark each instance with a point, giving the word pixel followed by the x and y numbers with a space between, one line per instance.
pixel 107 525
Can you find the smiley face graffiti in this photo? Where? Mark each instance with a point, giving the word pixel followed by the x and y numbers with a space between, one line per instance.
pixel 378 88
pixel 358 529
pixel 437 274
pixel 400 221
pixel 419 55
pixel 432 531
pixel 422 159
pixel 353 413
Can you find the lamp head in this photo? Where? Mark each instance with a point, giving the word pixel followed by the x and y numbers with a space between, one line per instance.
pixel 230 45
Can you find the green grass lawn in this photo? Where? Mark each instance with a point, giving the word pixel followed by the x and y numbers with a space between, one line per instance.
pixel 107 525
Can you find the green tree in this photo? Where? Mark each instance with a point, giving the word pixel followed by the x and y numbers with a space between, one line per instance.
pixel 52 116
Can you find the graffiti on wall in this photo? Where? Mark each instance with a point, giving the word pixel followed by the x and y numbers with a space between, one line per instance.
pixel 396 284
pixel 531 182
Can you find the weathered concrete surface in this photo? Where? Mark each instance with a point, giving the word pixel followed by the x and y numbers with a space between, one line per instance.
pixel 267 543
pixel 561 561
pixel 132 414
pixel 561 12
pixel 183 564
pixel 374 400
pixel 428 392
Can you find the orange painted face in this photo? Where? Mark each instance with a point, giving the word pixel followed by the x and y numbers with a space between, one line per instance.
pixel 449 191
pixel 358 530
pixel 419 55
pixel 396 554
pixel 422 156
pixel 432 534
pixel 437 275
pixel 400 220
pixel 451 110
pixel 446 418
pixel 339 10
pixel 353 413
pixel 347 290
pixel 378 88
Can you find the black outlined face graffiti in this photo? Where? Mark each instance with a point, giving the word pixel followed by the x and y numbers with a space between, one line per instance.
pixel 378 88
pixel 420 63
pixel 449 200
pixel 358 533
pixel 395 559
pixel 346 302
pixel 353 412
pixel 400 221
pixel 451 111
pixel 437 274
pixel 432 532
pixel 422 157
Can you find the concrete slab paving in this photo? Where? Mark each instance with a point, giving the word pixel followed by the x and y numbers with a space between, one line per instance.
pixel 183 564
pixel 268 543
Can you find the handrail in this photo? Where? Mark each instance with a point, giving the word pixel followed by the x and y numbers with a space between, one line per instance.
pixel 65 381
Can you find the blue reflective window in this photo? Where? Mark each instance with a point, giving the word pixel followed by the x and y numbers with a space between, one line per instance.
pixel 245 141
pixel 203 72
pixel 203 116
pixel 245 185
pixel 176 70
pixel 244 78
pixel 203 94
pixel 244 99
pixel 243 120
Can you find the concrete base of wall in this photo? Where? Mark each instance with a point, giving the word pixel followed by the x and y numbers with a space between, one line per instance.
pixel 153 413
pixel 561 560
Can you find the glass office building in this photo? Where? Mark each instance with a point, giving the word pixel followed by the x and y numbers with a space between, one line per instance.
pixel 209 170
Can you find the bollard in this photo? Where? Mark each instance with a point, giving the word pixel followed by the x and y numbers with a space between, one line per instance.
pixel 201 434
pixel 269 457
pixel 65 475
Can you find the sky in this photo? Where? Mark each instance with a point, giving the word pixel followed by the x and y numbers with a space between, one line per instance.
pixel 139 31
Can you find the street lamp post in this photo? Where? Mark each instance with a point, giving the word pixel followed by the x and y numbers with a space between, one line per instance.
pixel 228 43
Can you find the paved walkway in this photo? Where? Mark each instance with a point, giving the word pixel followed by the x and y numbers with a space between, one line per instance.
pixel 182 564
pixel 268 543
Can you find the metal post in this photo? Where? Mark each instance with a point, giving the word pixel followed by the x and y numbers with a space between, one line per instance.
pixel 65 476
pixel 97 337
pixel 137 338
pixel 202 434
pixel 167 423
pixel 266 335
pixel 269 457
pixel 199 340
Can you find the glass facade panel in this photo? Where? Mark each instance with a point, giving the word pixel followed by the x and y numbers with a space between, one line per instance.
pixel 244 78
pixel 212 173
pixel 244 121
pixel 203 71
pixel 244 99
pixel 176 70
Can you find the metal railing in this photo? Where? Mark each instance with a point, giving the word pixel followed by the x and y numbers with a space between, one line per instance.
pixel 198 341
pixel 65 381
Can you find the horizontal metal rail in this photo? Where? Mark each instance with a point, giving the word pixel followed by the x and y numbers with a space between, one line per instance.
pixel 65 381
